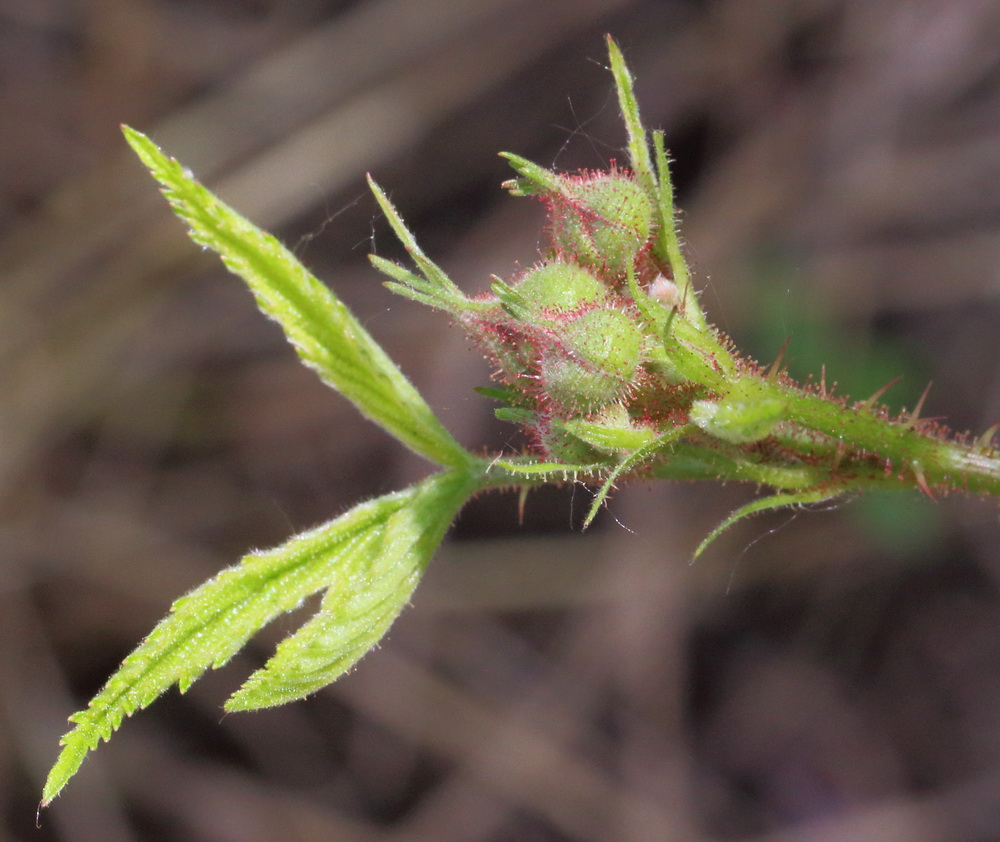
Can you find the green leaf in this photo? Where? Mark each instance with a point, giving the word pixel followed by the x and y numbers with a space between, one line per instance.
pixel 435 276
pixel 636 458
pixel 369 558
pixel 638 144
pixel 434 288
pixel 764 504
pixel 325 334
pixel 656 182
pixel 369 591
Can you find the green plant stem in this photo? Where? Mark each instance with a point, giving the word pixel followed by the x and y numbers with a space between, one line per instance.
pixel 823 443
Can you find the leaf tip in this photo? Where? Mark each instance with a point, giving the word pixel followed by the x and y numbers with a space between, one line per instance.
pixel 67 765
pixel 373 185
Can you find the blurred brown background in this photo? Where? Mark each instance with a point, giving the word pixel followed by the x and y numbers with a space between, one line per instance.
pixel 832 676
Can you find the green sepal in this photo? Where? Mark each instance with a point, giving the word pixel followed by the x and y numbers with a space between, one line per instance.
pixel 668 243
pixel 325 334
pixel 534 181
pixel 511 300
pixel 652 312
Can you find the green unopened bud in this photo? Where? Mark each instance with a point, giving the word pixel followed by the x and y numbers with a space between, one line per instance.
pixel 562 287
pixel 595 361
pixel 744 415
pixel 602 221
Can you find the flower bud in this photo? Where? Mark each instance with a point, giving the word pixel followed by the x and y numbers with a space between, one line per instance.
pixel 602 221
pixel 594 363
pixel 745 415
pixel 561 287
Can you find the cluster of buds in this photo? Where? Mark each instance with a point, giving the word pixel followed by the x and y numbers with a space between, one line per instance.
pixel 566 336
pixel 603 353
pixel 601 348
pixel 607 361
pixel 577 339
